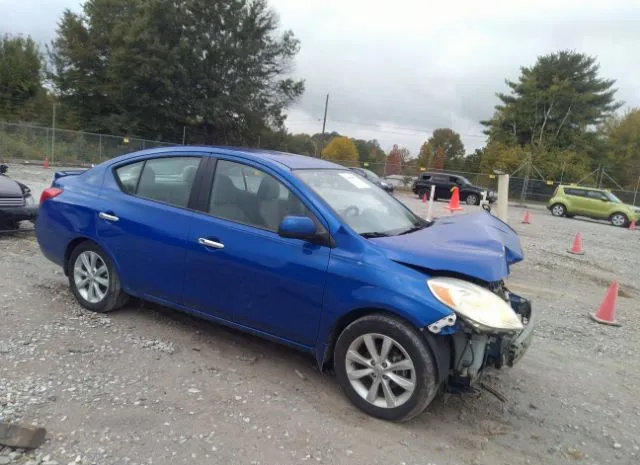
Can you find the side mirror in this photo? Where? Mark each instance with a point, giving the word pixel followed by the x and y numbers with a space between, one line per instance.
pixel 604 199
pixel 297 227
pixel 3 169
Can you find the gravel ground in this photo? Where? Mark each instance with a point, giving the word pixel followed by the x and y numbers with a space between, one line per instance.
pixel 147 385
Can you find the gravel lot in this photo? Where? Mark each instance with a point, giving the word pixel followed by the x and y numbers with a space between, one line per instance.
pixel 147 385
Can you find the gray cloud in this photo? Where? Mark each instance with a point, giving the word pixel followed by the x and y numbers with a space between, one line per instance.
pixel 398 70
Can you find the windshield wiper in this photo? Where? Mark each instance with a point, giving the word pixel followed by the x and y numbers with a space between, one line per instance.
pixel 371 235
pixel 415 228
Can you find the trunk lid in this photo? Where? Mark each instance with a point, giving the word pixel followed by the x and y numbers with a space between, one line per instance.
pixel 477 245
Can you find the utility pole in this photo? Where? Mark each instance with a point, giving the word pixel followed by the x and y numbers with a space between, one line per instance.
pixel 184 134
pixel 53 131
pixel 324 124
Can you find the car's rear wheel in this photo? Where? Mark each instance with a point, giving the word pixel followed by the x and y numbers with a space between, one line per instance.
pixel 385 367
pixel 473 199
pixel 619 219
pixel 558 210
pixel 93 279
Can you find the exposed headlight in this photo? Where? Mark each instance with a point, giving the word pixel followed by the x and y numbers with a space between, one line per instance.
pixel 480 307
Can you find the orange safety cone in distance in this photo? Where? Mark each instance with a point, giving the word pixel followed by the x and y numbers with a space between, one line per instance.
pixel 632 226
pixel 424 198
pixel 527 218
pixel 46 163
pixel 606 313
pixel 576 248
pixel 454 201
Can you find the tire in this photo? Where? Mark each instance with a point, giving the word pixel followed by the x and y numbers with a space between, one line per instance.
pixel 557 209
pixel 473 199
pixel 111 296
pixel 405 343
pixel 619 219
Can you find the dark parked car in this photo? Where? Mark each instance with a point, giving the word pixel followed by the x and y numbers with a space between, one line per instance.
pixel 16 202
pixel 374 178
pixel 444 182
pixel 303 252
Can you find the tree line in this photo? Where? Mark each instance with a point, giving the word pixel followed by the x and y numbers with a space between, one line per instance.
pixel 220 72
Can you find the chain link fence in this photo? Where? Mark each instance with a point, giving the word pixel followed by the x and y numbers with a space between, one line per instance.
pixel 521 188
pixel 27 143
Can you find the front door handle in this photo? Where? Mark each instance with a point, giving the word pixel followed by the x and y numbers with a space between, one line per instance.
pixel 210 243
pixel 108 217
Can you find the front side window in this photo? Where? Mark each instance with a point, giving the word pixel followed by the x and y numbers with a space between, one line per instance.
pixel 167 180
pixel 244 194
pixel 367 209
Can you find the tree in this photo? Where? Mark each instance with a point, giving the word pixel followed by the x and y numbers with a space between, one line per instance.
pixel 451 144
pixel 341 150
pixel 438 158
pixel 623 140
pixel 393 163
pixel 554 105
pixel 369 151
pixel 152 67
pixel 21 67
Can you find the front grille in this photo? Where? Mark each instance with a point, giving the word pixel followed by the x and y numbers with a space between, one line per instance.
pixel 12 202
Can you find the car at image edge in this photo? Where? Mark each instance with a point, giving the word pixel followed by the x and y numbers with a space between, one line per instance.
pixel 16 202
pixel 444 183
pixel 300 251
pixel 599 204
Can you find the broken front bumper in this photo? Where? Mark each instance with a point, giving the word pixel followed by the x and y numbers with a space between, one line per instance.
pixel 474 351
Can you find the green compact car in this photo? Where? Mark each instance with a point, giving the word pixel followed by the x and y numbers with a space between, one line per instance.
pixel 593 203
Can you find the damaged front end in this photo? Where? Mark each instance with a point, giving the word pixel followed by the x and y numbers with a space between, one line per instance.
pixel 473 348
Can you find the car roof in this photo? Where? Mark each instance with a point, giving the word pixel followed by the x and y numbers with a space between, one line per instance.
pixel 571 186
pixel 442 173
pixel 272 157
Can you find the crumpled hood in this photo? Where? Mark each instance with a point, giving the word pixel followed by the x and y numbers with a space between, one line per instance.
pixel 478 245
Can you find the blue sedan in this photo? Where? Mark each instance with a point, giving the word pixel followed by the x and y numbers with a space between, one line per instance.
pixel 301 251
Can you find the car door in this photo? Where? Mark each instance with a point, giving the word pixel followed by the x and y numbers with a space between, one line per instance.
pixel 597 205
pixel 241 270
pixel 579 202
pixel 442 186
pixel 143 222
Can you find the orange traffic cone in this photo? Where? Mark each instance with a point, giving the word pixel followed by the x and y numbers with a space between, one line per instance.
pixel 576 248
pixel 527 218
pixel 424 198
pixel 632 226
pixel 606 313
pixel 46 163
pixel 454 202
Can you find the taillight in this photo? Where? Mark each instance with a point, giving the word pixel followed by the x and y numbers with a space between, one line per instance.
pixel 49 193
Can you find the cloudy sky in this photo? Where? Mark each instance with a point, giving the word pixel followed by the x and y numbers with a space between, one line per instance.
pixel 397 70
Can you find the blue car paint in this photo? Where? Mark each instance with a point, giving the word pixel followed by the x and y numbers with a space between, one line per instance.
pixel 477 245
pixel 297 291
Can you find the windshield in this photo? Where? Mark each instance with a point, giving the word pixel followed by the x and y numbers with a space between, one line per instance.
pixel 611 197
pixel 364 207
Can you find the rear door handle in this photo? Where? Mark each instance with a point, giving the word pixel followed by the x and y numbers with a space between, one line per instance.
pixel 210 243
pixel 108 217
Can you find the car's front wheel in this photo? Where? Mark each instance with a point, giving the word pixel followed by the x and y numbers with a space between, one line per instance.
pixel 558 210
pixel 385 367
pixel 94 280
pixel 619 219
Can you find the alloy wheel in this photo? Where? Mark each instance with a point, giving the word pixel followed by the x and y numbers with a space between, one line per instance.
pixel 91 276
pixel 380 370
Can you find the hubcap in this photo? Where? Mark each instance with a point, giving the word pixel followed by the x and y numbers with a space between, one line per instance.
pixel 618 220
pixel 380 370
pixel 558 210
pixel 472 200
pixel 91 276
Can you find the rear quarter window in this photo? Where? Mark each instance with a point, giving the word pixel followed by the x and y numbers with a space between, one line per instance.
pixel 128 176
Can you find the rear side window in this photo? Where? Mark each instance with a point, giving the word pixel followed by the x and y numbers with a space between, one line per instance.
pixel 167 180
pixel 128 176
pixel 575 192
pixel 595 195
